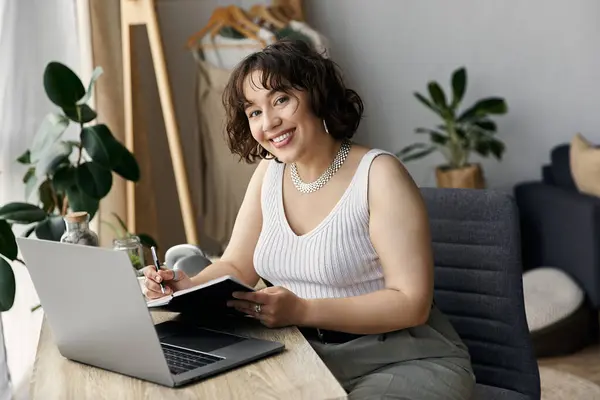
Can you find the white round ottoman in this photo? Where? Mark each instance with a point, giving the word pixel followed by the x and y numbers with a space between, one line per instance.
pixel 558 316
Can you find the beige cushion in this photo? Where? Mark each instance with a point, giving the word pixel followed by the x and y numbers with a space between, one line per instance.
pixel 550 296
pixel 585 165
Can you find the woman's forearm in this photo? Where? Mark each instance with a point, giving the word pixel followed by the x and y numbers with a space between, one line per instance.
pixel 221 268
pixel 378 312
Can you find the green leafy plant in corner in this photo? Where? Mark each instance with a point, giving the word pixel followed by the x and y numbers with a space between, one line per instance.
pixel 62 175
pixel 460 133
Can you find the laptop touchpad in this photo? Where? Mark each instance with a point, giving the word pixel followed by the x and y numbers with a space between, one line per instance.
pixel 201 339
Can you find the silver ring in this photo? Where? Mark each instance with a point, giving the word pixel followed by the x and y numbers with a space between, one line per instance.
pixel 257 308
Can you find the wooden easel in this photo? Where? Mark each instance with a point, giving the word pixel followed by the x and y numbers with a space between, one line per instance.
pixel 143 12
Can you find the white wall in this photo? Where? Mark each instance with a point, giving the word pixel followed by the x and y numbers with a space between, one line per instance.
pixel 542 56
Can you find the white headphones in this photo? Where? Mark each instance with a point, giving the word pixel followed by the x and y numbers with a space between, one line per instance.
pixel 187 258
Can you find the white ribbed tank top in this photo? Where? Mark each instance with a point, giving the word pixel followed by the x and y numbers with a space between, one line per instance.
pixel 336 258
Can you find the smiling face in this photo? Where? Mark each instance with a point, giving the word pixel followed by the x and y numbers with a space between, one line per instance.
pixel 281 122
pixel 307 89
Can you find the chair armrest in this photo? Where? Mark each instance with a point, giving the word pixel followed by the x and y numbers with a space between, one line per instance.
pixel 561 228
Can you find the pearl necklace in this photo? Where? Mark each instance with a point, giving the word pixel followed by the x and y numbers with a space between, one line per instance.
pixel 311 187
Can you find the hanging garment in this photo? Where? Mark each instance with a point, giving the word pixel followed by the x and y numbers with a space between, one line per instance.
pixel 320 42
pixel 224 176
pixel 227 49
pixel 290 33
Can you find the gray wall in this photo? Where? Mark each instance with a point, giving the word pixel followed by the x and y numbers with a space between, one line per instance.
pixel 542 56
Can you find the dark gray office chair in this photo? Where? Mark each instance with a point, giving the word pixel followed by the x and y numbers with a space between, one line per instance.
pixel 478 285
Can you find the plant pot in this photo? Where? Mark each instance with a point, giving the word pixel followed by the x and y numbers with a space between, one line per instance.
pixel 469 177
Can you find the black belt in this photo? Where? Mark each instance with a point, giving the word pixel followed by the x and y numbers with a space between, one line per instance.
pixel 326 336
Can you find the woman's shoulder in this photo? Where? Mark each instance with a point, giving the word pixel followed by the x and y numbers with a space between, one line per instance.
pixel 384 167
pixel 261 171
pixel 376 156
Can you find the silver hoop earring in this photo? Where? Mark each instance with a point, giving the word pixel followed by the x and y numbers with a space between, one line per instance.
pixel 325 126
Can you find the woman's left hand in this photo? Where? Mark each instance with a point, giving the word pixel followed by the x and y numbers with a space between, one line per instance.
pixel 274 306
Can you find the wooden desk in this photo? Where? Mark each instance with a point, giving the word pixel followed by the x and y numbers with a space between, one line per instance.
pixel 297 373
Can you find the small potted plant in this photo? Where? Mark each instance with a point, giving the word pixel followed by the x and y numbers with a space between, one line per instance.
pixel 459 134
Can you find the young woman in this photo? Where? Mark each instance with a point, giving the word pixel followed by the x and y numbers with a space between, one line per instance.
pixel 339 230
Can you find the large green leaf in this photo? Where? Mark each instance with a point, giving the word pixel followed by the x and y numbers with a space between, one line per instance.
pixel 94 179
pixel 63 87
pixel 427 103
pixel 8 244
pixel 51 229
pixel 52 158
pixel 492 105
pixel 437 95
pixel 486 125
pixel 101 145
pixel 459 86
pixel 64 178
pixel 21 213
pixel 483 148
pixel 7 286
pixel 80 114
pixel 418 154
pixel 79 201
pixel 497 148
pixel 88 94
pixel 126 165
pixel 411 147
pixel 50 130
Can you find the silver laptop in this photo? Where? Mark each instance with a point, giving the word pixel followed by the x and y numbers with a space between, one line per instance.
pixel 99 317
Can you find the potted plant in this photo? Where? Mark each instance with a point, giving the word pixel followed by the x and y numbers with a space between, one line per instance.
pixel 66 175
pixel 459 135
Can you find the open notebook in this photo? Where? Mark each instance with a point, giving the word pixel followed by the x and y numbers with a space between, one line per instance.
pixel 208 298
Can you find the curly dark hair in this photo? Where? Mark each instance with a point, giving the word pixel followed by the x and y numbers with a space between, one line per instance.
pixel 286 65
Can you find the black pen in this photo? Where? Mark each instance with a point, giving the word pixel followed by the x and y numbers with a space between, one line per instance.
pixel 157 265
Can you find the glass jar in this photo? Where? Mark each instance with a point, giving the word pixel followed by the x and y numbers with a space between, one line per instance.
pixel 133 246
pixel 78 230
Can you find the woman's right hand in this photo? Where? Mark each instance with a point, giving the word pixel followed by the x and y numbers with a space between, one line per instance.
pixel 172 282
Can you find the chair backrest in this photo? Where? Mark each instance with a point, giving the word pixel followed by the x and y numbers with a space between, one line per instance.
pixel 478 283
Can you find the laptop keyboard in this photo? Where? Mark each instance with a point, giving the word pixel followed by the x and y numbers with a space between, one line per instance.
pixel 181 360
